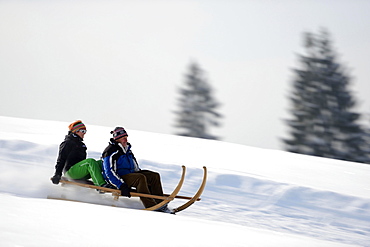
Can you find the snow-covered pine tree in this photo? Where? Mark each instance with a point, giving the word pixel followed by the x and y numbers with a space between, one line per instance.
pixel 197 106
pixel 324 124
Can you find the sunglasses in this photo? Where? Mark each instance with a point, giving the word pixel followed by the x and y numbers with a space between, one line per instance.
pixel 83 131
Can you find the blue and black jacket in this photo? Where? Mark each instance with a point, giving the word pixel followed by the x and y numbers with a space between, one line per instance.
pixel 118 161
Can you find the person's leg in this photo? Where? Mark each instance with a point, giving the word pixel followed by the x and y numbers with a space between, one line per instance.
pixel 86 168
pixel 154 183
pixel 139 181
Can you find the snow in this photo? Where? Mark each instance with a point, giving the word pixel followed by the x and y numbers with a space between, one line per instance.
pixel 254 197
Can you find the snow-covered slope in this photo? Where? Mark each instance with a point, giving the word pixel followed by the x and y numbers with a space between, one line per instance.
pixel 254 197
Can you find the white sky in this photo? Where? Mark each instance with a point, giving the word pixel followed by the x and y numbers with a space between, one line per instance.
pixel 120 62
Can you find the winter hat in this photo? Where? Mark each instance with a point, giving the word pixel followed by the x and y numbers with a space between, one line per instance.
pixel 76 126
pixel 118 132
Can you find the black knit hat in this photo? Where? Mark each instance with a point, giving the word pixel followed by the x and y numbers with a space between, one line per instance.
pixel 118 132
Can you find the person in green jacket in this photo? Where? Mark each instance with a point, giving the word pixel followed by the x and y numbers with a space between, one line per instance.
pixel 72 158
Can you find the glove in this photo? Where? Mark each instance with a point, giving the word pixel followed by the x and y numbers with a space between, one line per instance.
pixel 125 191
pixel 55 179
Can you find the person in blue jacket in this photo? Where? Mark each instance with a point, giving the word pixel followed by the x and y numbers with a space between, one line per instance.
pixel 121 169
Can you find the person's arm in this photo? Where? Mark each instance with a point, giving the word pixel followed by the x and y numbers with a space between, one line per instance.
pixel 110 170
pixel 64 150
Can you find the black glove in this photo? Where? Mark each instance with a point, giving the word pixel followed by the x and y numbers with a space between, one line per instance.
pixel 125 191
pixel 56 179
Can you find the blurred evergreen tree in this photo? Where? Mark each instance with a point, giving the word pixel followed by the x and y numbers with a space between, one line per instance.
pixel 324 124
pixel 197 106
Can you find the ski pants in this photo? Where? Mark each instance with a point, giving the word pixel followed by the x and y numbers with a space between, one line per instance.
pixel 85 169
pixel 147 182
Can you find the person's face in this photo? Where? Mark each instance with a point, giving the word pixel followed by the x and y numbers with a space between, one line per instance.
pixel 122 140
pixel 81 133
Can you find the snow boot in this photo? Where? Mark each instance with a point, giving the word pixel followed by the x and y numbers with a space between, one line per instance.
pixel 109 186
pixel 165 209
